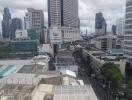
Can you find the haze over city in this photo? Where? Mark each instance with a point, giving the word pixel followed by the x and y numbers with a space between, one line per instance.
pixel 66 50
pixel 112 10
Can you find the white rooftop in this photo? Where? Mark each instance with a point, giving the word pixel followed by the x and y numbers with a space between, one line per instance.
pixel 68 72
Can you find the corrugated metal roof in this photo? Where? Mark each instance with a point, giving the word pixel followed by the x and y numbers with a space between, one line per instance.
pixel 74 93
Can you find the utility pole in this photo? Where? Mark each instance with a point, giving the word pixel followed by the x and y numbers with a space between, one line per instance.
pixel 109 90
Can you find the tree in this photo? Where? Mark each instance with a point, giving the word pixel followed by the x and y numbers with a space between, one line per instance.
pixel 130 84
pixel 113 74
pixel 4 50
pixel 128 71
pixel 129 90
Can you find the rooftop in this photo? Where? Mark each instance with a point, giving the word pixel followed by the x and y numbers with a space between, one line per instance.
pixel 65 57
pixel 33 69
pixel 65 53
pixel 15 92
pixel 74 93
pixel 117 51
pixel 16 62
pixel 64 92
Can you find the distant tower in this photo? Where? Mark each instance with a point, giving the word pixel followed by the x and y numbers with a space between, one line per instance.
pixel 34 19
pixel 113 29
pixel 15 24
pixel 120 27
pixel 6 22
pixel 86 32
pixel 100 24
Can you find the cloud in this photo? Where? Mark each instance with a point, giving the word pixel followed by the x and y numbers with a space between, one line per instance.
pixel 112 10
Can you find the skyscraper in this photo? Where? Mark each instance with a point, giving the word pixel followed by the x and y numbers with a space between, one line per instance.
pixel 70 13
pixel 15 24
pixel 63 13
pixel 128 32
pixel 100 24
pixel 34 19
pixel 6 23
pixel 120 24
pixel 113 28
pixel 55 13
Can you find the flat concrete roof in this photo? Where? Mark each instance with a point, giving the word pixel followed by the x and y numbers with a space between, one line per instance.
pixel 15 62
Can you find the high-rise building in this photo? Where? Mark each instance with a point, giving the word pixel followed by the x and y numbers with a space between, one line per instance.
pixel 47 40
pixel 120 24
pixel 34 19
pixel 128 32
pixel 70 13
pixel 15 24
pixel 100 25
pixel 113 29
pixel 6 23
pixel 54 13
pixel 63 13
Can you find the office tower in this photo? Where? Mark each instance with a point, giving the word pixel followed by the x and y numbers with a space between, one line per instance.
pixel 6 23
pixel 34 19
pixel 54 13
pixel 113 29
pixel 16 23
pixel 63 13
pixel 70 13
pixel 100 24
pixel 128 32
pixel 120 24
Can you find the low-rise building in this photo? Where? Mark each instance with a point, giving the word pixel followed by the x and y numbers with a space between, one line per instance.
pixel 42 60
pixel 46 48
pixel 23 45
pixel 98 58
pixel 105 43
pixel 61 35
pixel 65 61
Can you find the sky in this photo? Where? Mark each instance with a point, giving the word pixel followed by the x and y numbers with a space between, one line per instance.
pixel 111 9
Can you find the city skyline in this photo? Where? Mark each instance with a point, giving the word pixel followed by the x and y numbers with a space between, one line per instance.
pixel 87 10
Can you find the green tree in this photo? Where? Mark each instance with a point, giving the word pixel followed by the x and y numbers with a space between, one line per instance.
pixel 130 84
pixel 4 50
pixel 113 74
pixel 129 90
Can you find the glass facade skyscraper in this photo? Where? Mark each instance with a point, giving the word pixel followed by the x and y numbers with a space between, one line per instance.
pixel 113 29
pixel 15 24
pixel 6 22
pixel 100 24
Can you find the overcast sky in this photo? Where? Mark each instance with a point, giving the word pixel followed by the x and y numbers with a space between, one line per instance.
pixel 112 10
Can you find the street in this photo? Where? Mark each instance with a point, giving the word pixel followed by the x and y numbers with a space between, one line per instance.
pixel 101 93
